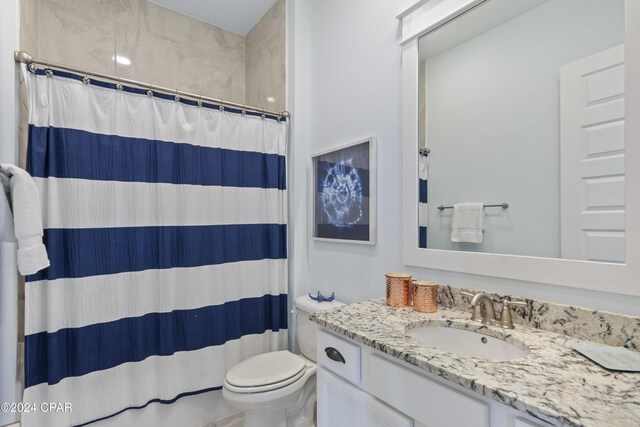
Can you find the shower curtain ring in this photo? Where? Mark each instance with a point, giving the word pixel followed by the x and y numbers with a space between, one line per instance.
pixel 177 97
pixel 200 101
pixel 119 85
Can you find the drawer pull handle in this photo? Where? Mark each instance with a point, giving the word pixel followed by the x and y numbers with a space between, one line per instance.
pixel 334 354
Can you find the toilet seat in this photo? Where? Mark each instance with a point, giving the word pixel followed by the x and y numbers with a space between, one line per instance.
pixel 284 396
pixel 265 372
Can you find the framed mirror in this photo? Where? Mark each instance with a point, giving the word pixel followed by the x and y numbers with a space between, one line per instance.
pixel 518 138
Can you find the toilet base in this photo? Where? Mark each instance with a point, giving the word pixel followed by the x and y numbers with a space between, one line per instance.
pixel 280 413
pixel 304 413
pixel 294 410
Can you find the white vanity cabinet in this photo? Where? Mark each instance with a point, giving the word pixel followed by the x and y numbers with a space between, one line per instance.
pixel 360 386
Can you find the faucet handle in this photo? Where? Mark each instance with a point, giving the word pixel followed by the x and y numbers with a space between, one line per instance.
pixel 507 302
pixel 506 319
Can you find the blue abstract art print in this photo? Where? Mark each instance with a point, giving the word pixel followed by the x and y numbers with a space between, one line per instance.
pixel 344 193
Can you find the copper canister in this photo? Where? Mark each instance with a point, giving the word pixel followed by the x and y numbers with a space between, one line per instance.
pixel 424 296
pixel 398 289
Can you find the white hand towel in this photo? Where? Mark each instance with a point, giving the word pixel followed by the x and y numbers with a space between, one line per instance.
pixel 27 220
pixel 6 217
pixel 467 223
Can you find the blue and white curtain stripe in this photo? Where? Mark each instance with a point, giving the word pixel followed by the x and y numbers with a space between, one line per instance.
pixel 165 223
pixel 423 174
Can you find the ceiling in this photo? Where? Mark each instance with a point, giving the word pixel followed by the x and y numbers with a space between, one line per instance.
pixel 238 16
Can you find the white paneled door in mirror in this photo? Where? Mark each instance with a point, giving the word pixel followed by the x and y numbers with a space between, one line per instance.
pixel 592 156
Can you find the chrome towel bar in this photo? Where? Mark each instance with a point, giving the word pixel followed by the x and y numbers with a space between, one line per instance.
pixel 501 205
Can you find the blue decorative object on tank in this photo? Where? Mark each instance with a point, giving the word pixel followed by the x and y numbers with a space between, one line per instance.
pixel 321 298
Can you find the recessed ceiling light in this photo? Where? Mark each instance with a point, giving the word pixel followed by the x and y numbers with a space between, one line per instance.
pixel 271 99
pixel 122 60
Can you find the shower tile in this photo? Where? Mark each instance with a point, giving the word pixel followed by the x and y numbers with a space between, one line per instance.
pixel 208 77
pixel 20 309
pixel 23 139
pixel 29 26
pixel 154 59
pixel 127 44
pixel 151 43
pixel 23 125
pixel 121 11
pixel 162 22
pixel 77 33
pixel 212 62
pixel 265 60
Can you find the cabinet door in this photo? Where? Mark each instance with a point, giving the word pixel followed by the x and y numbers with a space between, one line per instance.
pixel 342 405
pixel 422 398
pixel 519 422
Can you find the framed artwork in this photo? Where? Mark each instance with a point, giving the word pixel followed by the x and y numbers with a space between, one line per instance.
pixel 343 194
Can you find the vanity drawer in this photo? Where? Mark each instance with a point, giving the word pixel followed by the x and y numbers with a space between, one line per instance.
pixel 339 356
pixel 424 400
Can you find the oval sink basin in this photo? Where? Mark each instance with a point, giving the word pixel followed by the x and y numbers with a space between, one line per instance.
pixel 466 343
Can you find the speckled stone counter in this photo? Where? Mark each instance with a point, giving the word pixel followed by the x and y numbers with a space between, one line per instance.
pixel 553 382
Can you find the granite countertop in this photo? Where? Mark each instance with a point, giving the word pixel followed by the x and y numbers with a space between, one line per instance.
pixel 553 382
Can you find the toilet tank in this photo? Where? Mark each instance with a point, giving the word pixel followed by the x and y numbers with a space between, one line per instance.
pixel 306 329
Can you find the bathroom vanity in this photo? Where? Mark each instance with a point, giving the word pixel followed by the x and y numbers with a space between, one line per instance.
pixel 380 375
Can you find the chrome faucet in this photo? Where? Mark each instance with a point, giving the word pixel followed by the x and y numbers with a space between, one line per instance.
pixel 483 311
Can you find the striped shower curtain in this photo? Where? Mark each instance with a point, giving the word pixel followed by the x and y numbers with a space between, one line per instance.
pixel 165 224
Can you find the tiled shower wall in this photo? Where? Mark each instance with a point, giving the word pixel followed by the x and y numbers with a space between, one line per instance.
pixel 165 47
pixel 265 59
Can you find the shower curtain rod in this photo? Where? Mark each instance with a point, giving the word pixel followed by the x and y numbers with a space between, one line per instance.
pixel 25 58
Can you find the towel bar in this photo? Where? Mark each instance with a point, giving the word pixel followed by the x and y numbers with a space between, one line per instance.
pixel 501 205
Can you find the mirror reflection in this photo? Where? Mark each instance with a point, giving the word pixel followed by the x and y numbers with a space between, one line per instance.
pixel 522 130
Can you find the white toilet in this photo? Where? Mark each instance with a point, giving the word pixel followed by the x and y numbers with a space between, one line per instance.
pixel 278 389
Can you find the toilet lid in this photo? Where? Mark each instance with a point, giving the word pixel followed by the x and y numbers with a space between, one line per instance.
pixel 265 369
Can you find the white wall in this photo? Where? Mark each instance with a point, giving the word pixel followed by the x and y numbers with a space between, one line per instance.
pixel 348 87
pixel 8 153
pixel 505 83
